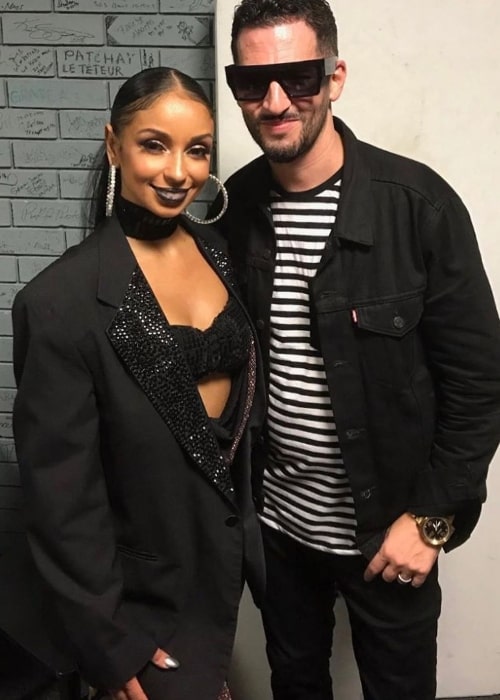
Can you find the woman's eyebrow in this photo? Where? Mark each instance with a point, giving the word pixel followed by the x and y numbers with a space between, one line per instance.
pixel 165 134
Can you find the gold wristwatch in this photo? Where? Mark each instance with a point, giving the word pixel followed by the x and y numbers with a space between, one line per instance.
pixel 435 530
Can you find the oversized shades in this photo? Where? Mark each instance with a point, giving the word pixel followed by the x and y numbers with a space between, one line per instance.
pixel 297 78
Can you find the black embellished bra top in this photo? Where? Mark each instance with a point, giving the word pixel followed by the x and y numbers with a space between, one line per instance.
pixel 222 348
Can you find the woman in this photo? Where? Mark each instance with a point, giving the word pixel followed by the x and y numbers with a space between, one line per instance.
pixel 135 365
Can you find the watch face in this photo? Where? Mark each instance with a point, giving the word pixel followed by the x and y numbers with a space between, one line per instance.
pixel 436 530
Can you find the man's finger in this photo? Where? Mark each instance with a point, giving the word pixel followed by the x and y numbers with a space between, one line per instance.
pixel 389 574
pixel 377 564
pixel 417 580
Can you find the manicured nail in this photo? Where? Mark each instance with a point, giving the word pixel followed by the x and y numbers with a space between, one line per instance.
pixel 171 662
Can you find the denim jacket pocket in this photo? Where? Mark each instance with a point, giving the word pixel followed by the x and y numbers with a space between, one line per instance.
pixel 394 318
pixel 389 344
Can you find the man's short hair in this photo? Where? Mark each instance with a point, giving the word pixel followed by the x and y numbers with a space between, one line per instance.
pixel 268 13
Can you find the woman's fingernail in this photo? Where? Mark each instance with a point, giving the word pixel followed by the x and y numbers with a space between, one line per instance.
pixel 171 662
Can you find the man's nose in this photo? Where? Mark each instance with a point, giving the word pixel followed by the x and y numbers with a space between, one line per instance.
pixel 276 101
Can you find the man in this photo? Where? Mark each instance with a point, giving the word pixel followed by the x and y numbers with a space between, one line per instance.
pixel 381 345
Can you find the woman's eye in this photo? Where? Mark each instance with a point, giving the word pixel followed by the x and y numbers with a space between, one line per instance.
pixel 199 151
pixel 153 146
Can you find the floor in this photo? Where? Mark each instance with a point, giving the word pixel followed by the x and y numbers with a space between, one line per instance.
pixel 53 695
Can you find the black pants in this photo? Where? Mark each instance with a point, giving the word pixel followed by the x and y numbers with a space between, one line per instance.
pixel 393 626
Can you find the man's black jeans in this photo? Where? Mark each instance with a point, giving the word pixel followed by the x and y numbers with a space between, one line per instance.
pixel 393 626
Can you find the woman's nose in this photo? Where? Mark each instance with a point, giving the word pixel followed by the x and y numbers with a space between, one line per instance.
pixel 175 171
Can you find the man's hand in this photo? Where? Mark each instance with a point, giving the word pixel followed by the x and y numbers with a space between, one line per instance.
pixel 403 552
pixel 132 689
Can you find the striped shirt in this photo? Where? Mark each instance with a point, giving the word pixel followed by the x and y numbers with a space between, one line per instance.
pixel 306 491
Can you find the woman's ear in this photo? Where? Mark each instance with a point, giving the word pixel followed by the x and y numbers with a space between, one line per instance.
pixel 111 145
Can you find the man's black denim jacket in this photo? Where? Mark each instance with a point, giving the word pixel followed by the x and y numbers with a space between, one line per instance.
pixel 403 315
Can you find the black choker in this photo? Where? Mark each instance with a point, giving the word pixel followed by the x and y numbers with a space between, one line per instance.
pixel 138 222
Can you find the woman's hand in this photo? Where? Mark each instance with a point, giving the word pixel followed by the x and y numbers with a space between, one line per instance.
pixel 132 689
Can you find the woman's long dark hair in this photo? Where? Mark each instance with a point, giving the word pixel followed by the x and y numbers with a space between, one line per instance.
pixel 136 93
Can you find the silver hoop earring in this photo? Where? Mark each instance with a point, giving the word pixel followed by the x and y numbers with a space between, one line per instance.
pixel 225 202
pixel 110 190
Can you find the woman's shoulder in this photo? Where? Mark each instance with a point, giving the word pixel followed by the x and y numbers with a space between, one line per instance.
pixel 73 272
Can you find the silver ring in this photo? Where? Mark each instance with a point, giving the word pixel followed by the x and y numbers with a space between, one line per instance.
pixel 404 580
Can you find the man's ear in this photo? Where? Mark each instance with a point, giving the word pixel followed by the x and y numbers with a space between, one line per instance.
pixel 337 80
pixel 111 145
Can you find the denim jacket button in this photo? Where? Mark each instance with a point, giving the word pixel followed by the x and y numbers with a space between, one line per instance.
pixel 398 322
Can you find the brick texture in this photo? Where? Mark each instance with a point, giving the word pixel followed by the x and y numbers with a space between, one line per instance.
pixel 61 64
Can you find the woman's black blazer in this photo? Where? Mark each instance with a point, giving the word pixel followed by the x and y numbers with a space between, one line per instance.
pixel 134 521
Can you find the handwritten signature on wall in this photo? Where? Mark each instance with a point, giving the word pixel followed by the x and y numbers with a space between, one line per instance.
pixel 47 31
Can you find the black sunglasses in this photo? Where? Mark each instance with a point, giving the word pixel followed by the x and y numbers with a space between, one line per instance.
pixel 298 78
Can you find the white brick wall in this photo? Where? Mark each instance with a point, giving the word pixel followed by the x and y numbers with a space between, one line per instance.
pixel 61 64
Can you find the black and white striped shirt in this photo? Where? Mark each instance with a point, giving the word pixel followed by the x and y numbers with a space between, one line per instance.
pixel 306 491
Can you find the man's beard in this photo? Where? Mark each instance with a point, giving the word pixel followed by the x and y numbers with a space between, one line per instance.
pixel 286 153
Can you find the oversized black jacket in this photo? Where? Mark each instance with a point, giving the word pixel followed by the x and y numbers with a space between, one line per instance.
pixel 403 315
pixel 136 528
